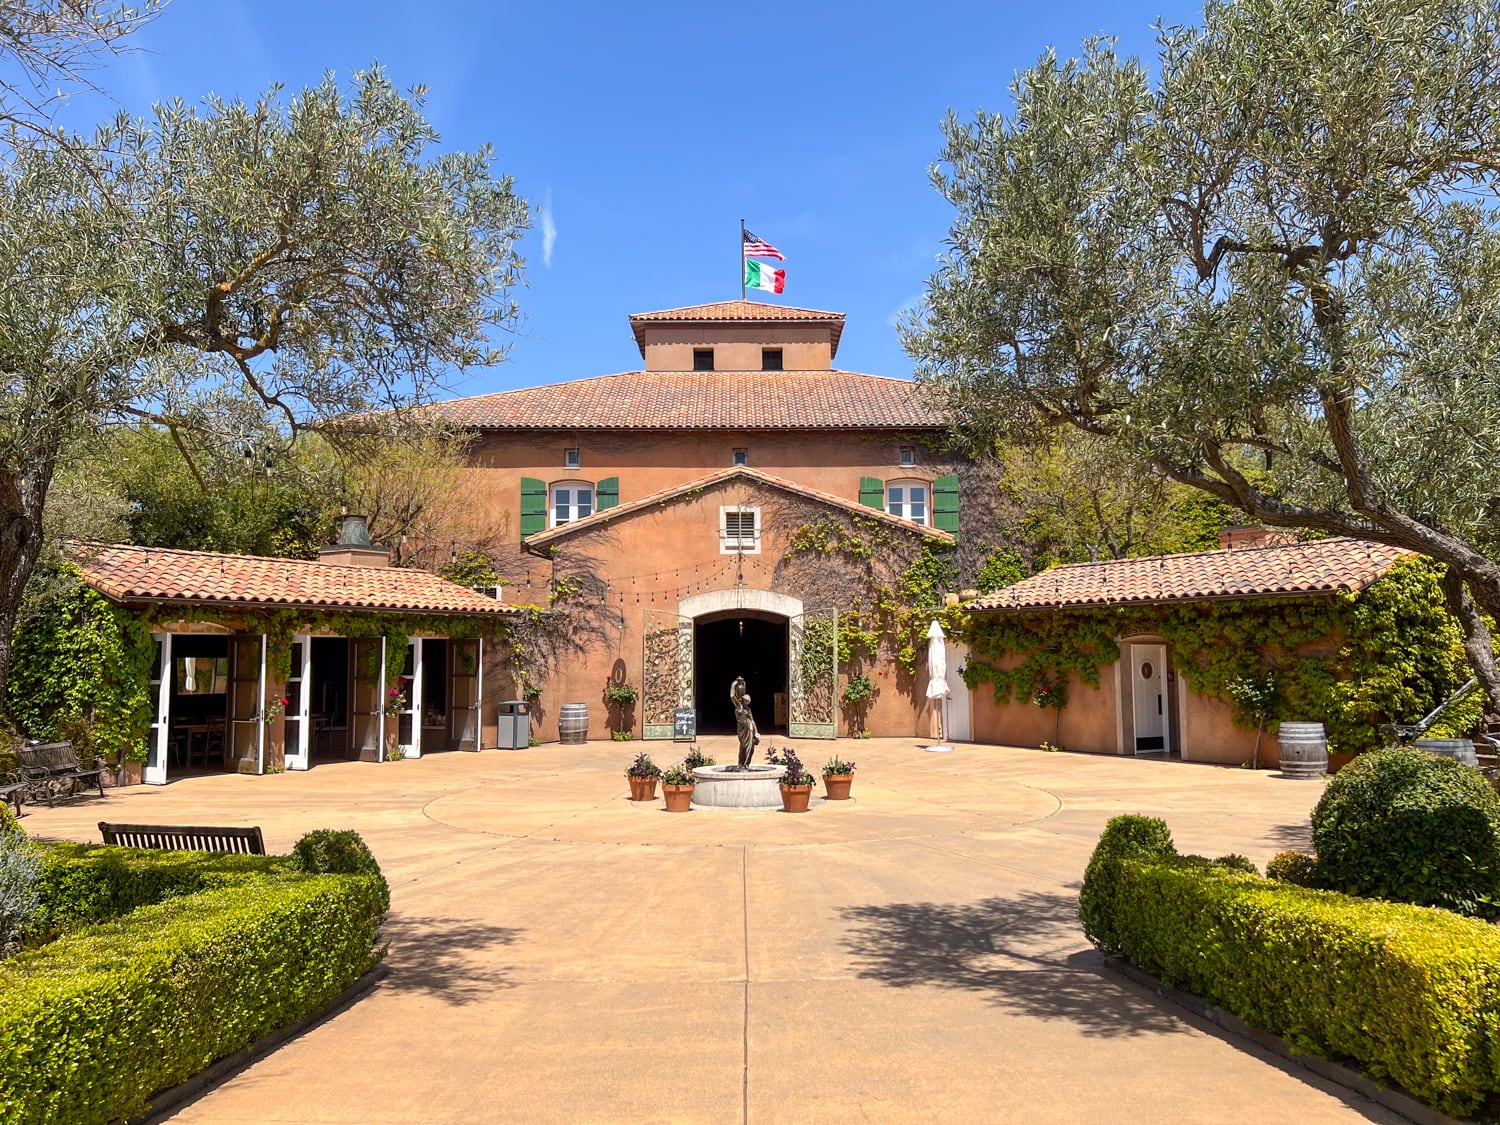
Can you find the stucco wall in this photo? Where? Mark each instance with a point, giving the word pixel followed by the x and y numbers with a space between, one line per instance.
pixel 1088 723
pixel 1211 736
pixel 655 559
pixel 803 347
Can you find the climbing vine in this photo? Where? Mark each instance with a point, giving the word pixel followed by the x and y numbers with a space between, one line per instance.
pixel 1356 663
pixel 82 658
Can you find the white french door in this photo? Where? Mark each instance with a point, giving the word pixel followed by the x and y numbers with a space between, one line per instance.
pixel 411 718
pixel 298 706
pixel 155 772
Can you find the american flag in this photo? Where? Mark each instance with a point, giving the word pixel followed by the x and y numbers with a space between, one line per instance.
pixel 759 248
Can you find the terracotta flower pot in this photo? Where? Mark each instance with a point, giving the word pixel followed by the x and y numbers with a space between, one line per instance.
pixel 643 788
pixel 679 797
pixel 130 773
pixel 794 798
pixel 836 785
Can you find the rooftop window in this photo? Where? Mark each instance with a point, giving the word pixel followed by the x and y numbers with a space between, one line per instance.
pixel 770 359
pixel 703 359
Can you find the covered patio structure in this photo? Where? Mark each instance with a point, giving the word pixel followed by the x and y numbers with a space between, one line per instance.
pixel 263 664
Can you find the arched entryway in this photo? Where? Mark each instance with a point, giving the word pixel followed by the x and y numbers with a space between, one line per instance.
pixel 749 643
pixel 740 632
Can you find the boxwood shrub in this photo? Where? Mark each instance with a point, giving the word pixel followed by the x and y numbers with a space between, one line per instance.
pixel 165 963
pixel 1411 993
pixel 1408 826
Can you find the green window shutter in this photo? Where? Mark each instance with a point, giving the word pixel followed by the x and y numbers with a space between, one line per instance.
pixel 533 507
pixel 872 492
pixel 945 504
pixel 606 493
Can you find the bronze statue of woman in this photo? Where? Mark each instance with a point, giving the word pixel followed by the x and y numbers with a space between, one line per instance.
pixel 744 722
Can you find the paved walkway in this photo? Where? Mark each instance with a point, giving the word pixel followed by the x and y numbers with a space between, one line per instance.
pixel 560 954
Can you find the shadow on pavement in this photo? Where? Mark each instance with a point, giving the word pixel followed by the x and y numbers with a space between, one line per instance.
pixel 1292 837
pixel 1020 952
pixel 449 958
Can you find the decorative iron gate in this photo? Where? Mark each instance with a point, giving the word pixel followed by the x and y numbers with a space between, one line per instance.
pixel 666 671
pixel 813 675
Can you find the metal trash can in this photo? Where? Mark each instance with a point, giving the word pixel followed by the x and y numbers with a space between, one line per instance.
pixel 513 724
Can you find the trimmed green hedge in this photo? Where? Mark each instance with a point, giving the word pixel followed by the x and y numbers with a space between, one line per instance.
pixel 83 883
pixel 1412 994
pixel 232 949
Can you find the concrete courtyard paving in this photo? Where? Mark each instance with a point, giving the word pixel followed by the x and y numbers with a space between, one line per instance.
pixel 558 953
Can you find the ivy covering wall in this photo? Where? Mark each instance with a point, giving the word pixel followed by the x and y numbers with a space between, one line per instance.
pixel 1356 663
pixel 81 657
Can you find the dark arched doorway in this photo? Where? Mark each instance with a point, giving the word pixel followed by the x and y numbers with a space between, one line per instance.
pixel 739 643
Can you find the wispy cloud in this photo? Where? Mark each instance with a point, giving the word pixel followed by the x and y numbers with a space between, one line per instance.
pixel 912 305
pixel 549 230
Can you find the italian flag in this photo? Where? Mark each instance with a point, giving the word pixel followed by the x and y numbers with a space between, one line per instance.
pixel 758 276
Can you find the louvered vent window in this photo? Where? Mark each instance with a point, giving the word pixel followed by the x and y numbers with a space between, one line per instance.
pixel 739 531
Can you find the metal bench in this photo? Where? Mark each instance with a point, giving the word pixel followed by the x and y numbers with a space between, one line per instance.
pixel 52 770
pixel 184 838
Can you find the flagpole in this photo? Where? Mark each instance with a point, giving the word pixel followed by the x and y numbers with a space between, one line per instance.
pixel 742 259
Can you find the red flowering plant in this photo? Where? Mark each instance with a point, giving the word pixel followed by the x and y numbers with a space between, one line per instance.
pixel 396 698
pixel 1051 691
pixel 273 709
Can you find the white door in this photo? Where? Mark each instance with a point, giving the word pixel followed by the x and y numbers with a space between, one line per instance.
pixel 1148 673
pixel 411 718
pixel 957 705
pixel 155 772
pixel 298 705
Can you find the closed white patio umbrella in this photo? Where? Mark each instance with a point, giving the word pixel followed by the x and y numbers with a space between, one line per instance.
pixel 937 681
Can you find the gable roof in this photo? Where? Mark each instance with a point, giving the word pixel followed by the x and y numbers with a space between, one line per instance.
pixel 723 476
pixel 717 312
pixel 1322 566
pixel 129 573
pixel 703 400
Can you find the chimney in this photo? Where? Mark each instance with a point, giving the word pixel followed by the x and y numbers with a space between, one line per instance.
pixel 354 547
pixel 1255 536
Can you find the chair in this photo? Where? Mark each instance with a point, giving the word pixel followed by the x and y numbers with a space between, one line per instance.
pixel 213 741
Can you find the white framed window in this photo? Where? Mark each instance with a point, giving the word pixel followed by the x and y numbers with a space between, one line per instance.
pixel 739 530
pixel 571 459
pixel 908 456
pixel 569 502
pixel 741 457
pixel 909 500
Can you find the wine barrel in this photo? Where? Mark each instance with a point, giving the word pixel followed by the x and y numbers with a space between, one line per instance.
pixel 1460 748
pixel 1303 748
pixel 573 724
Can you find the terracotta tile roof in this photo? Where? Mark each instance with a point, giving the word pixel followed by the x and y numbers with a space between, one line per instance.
pixel 720 311
pixel 129 573
pixel 1318 567
pixel 703 400
pixel 723 476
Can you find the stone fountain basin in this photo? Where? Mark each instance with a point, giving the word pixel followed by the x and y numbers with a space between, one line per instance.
pixel 726 787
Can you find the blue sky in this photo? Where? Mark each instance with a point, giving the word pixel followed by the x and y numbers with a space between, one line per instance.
pixel 646 131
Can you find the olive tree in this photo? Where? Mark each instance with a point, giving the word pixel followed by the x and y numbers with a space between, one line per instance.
pixel 236 269
pixel 1270 269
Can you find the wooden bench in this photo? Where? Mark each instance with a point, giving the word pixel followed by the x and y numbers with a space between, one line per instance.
pixel 52 770
pixel 184 838
pixel 12 790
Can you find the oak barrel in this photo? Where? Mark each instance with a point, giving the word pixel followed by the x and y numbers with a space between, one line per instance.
pixel 1303 748
pixel 1460 748
pixel 573 724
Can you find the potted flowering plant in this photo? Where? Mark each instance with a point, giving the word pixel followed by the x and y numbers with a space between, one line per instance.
pixel 796 783
pixel 642 774
pixel 838 775
pixel 695 759
pixel 677 788
pixel 620 698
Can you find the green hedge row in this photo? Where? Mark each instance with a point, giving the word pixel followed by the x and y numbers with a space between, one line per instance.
pixel 1412 994
pixel 83 883
pixel 167 962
